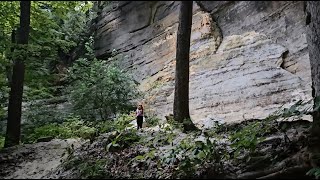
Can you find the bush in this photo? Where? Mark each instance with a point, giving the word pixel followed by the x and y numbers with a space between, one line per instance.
pixel 152 121
pixel 88 168
pixel 93 169
pixel 100 90
pixel 39 115
pixel 123 121
pixel 105 126
pixel 314 172
pixel 247 138
pixel 121 140
pixel 72 127
pixel 192 158
pixel 31 93
pixel 119 124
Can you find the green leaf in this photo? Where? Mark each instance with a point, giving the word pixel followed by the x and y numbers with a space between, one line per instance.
pixel 201 155
pixel 139 157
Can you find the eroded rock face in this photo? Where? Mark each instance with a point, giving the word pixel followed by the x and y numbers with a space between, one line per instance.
pixel 247 58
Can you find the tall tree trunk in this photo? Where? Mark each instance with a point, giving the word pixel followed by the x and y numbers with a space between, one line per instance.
pixel 181 93
pixel 15 98
pixel 313 39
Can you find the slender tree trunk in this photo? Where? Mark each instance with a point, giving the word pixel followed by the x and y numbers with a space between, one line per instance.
pixel 181 93
pixel 313 39
pixel 15 98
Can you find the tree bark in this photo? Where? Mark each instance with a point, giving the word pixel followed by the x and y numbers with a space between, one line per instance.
pixel 15 98
pixel 313 39
pixel 181 93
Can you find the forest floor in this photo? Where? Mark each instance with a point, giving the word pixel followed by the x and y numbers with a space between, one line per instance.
pixel 161 153
pixel 33 161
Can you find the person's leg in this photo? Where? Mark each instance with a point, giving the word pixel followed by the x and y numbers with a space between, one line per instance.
pixel 140 120
pixel 137 122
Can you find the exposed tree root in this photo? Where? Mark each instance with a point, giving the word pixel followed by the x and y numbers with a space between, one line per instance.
pixel 295 166
pixel 290 173
pixel 256 174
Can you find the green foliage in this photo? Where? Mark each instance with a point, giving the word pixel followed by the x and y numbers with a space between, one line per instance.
pixel 4 88
pixel 191 157
pixel 41 92
pixel 152 121
pixel 314 172
pixel 247 138
pixel 72 127
pixel 105 126
pixel 100 89
pixel 88 168
pixel 174 123
pixel 71 162
pixel 40 114
pixel 1 141
pixel 123 121
pixel 121 140
pixel 159 138
pixel 55 26
pixel 49 130
pixel 120 123
pixel 145 158
pixel 4 94
pixel 188 158
pixel 93 169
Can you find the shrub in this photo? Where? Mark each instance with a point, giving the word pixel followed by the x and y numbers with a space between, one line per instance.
pixel 123 121
pixel 152 121
pixel 99 89
pixel 314 172
pixel 39 115
pixel 191 158
pixel 247 138
pixel 93 169
pixel 72 127
pixel 121 140
pixel 105 126
pixel 87 168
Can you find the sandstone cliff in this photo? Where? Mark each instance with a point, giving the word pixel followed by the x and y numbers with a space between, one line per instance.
pixel 247 58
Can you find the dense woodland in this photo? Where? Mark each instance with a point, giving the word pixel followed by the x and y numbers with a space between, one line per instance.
pixel 47 57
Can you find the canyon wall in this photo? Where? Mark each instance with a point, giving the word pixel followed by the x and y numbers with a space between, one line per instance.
pixel 247 59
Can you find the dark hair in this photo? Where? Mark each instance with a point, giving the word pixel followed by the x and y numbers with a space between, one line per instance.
pixel 141 106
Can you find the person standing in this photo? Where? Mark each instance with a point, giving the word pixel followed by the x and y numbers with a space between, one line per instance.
pixel 139 115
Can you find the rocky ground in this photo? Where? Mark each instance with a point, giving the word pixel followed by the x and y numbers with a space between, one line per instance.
pixel 33 161
pixel 280 155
